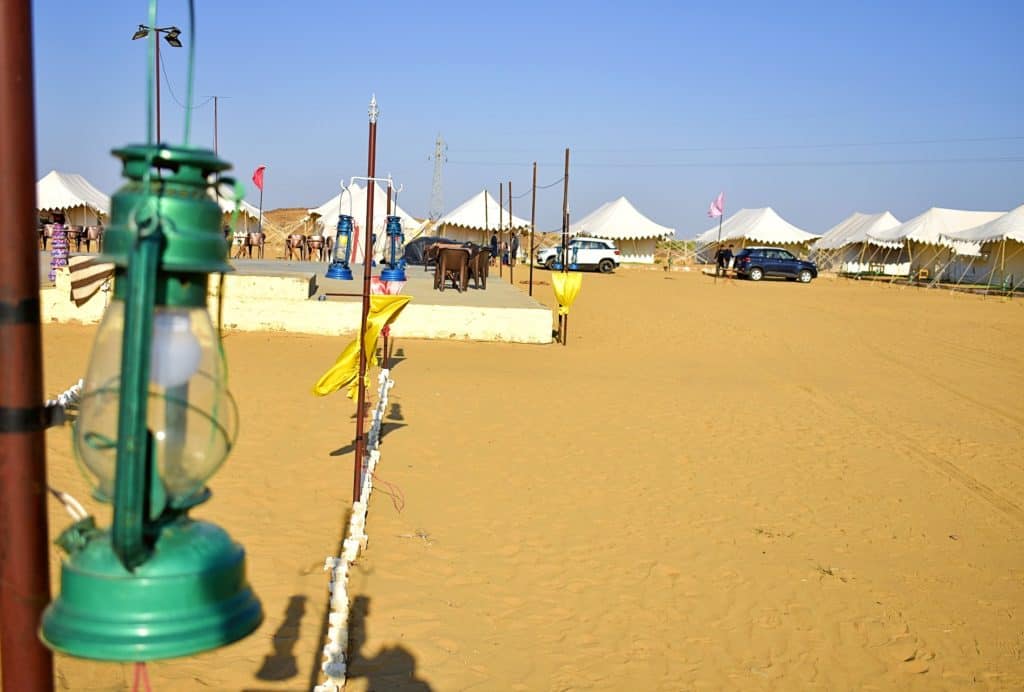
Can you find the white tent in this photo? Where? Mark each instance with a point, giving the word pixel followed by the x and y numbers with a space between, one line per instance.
pixel 353 202
pixel 932 254
pixel 74 196
pixel 636 235
pixel 477 218
pixel 845 247
pixel 758 227
pixel 1002 249
pixel 248 215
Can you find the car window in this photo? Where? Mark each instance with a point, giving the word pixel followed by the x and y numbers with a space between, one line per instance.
pixel 785 254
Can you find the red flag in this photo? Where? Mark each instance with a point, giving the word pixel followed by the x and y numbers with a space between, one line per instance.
pixel 257 177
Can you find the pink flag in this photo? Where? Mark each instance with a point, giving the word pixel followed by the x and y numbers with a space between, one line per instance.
pixel 717 207
pixel 257 177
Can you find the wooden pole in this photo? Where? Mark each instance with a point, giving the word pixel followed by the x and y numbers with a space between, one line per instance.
pixel 533 223
pixel 371 166
pixel 24 542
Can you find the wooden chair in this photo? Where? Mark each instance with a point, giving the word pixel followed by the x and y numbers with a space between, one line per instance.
pixel 296 242
pixel 241 241
pixel 256 240
pixel 314 244
pixel 479 263
pixel 75 238
pixel 452 265
pixel 94 234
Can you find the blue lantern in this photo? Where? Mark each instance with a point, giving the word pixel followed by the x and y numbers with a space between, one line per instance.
pixel 558 258
pixel 339 268
pixel 395 270
pixel 575 252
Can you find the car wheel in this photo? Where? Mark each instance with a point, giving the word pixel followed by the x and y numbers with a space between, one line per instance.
pixel 756 274
pixel 605 266
pixel 805 276
pixel 550 264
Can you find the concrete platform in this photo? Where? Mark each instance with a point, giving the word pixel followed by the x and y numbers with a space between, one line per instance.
pixel 277 295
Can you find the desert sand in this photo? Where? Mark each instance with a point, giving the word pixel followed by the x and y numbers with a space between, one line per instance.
pixel 713 486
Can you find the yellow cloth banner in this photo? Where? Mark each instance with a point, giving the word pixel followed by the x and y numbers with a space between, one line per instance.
pixel 567 286
pixel 345 371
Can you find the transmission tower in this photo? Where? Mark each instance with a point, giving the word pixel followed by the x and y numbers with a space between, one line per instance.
pixel 437 192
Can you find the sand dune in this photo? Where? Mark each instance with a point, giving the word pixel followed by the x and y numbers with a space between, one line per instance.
pixel 714 486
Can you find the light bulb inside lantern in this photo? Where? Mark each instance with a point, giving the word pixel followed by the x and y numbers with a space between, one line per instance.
pixel 190 411
pixel 175 353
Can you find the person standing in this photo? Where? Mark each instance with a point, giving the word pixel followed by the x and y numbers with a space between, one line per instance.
pixel 514 255
pixel 494 247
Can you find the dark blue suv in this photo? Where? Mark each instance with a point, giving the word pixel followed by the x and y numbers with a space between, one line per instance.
pixel 756 263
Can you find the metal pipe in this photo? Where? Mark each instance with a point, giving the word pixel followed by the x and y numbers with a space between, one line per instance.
pixel 533 223
pixel 24 543
pixel 511 252
pixel 156 33
pixel 371 165
pixel 501 229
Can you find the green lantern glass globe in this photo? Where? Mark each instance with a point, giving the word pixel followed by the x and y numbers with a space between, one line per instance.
pixel 190 411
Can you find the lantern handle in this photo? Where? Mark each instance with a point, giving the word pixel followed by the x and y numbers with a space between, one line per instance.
pixel 344 189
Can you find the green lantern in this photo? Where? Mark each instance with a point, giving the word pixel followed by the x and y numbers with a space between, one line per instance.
pixel 156 421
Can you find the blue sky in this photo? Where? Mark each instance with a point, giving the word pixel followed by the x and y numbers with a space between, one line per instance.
pixel 818 109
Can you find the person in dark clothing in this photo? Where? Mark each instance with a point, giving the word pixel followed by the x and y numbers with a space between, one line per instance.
pixel 515 247
pixel 494 247
pixel 722 259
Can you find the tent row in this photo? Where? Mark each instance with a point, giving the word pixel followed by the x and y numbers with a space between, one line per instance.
pixel 72 199
pixel 949 245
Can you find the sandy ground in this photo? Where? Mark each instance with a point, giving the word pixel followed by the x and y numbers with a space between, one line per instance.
pixel 714 486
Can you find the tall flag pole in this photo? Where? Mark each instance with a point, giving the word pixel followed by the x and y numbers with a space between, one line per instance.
pixel 717 209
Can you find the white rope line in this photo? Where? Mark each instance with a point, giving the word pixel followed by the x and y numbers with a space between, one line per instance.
pixel 56 408
pixel 335 651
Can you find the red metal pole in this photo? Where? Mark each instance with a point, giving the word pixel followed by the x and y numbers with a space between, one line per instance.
pixel 533 222
pixel 24 543
pixel 511 254
pixel 501 232
pixel 371 165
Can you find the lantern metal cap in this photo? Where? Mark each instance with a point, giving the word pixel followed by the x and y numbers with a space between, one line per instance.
pixel 191 596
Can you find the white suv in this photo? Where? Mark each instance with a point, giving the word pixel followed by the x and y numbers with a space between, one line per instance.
pixel 589 253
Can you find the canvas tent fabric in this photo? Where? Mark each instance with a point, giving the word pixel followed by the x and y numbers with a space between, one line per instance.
pixel 758 227
pixel 844 247
pixel 635 234
pixel 932 255
pixel 855 229
pixel 929 228
pixel 476 219
pixel 1001 259
pixel 248 215
pixel 72 195
pixel 1009 226
pixel 324 218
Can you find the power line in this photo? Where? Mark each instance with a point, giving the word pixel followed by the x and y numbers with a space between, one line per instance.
pixel 539 187
pixel 758 164
pixel 762 147
pixel 167 80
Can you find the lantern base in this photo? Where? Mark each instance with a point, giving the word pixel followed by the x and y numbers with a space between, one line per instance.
pixel 191 595
pixel 573 267
pixel 557 266
pixel 389 274
pixel 337 270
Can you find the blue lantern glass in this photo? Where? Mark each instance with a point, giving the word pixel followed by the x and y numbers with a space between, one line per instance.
pixel 558 258
pixel 395 270
pixel 575 252
pixel 339 268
